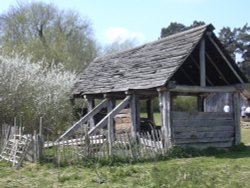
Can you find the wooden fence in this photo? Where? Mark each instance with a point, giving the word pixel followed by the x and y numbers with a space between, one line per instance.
pixel 10 132
pixel 80 147
pixel 123 146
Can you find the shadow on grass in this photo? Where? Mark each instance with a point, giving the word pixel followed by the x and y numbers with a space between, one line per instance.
pixel 235 152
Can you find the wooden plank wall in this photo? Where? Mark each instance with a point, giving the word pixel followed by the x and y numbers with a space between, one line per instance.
pixel 203 129
pixel 216 102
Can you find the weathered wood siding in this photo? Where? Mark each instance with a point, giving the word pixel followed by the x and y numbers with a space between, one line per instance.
pixel 216 102
pixel 203 129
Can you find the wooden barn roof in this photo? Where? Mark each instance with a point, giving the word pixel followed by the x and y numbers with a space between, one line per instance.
pixel 148 66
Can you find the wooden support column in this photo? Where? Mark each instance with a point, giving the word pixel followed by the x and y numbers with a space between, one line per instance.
pixel 200 103
pixel 236 112
pixel 90 106
pixel 135 115
pixel 111 124
pixel 150 111
pixel 165 108
pixel 202 64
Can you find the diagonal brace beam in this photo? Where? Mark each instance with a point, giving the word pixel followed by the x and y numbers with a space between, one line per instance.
pixel 84 119
pixel 111 114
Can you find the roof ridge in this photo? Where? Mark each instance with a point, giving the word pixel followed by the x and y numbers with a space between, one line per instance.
pixel 207 26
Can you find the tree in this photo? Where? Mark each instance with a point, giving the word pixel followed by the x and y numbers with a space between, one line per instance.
pixel 237 41
pixel 228 39
pixel 29 90
pixel 175 27
pixel 45 32
pixel 243 42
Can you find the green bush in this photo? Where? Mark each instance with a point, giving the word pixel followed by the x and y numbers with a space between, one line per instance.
pixel 185 103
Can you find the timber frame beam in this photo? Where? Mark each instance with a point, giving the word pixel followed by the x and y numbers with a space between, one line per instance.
pixel 165 109
pixel 208 89
pixel 225 58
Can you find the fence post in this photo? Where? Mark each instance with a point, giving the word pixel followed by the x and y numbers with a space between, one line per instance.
pixel 34 146
pixel 40 139
pixel 111 131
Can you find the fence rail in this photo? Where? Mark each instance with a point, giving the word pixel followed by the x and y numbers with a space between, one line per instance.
pixel 81 147
pixel 123 146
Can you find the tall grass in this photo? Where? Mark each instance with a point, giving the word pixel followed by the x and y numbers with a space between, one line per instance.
pixel 222 169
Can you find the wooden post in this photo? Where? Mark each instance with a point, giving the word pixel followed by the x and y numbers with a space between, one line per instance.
pixel 135 115
pixel 202 64
pixel 90 106
pixel 150 111
pixel 15 126
pixel 34 142
pixel 200 103
pixel 20 126
pixel 111 127
pixel 40 139
pixel 236 112
pixel 165 108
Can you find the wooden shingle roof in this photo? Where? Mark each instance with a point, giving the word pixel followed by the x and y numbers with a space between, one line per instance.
pixel 148 66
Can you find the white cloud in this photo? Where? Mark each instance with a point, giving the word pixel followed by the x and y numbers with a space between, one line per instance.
pixel 122 34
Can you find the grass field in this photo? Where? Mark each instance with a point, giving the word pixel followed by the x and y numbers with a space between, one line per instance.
pixel 245 136
pixel 229 169
pixel 218 169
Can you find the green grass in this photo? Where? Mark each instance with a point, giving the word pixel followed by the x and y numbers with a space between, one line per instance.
pixel 226 169
pixel 157 117
pixel 245 135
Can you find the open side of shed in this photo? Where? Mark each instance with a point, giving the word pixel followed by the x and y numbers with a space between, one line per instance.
pixel 191 63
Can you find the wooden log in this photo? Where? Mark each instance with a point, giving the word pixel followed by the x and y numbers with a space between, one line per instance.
pixel 130 144
pixel 210 134
pixel 143 143
pixel 111 127
pixel 150 111
pixel 135 115
pixel 115 111
pixel 202 63
pixel 90 106
pixel 178 129
pixel 110 135
pixel 202 140
pixel 208 89
pixel 225 58
pixel 118 145
pixel 200 103
pixel 188 76
pixel 165 108
pixel 217 69
pixel 197 123
pixel 84 119
pixel 198 67
pixel 202 115
pixel 236 110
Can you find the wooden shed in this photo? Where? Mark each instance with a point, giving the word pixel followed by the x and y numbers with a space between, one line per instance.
pixel 192 62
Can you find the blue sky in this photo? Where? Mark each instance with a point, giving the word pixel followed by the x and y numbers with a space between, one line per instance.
pixel 142 20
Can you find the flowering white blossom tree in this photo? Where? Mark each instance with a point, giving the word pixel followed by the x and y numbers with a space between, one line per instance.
pixel 30 90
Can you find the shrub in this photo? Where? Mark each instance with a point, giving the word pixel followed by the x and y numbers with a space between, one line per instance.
pixel 31 90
